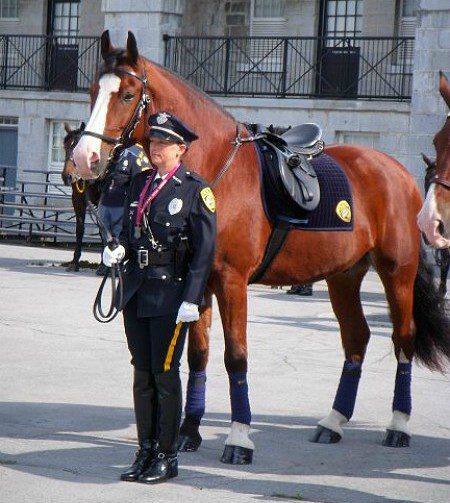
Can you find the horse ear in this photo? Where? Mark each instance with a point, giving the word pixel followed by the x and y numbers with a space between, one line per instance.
pixel 105 45
pixel 67 127
pixel 83 126
pixel 427 160
pixel 444 87
pixel 132 49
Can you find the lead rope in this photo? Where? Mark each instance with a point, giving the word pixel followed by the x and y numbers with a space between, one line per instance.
pixel 114 272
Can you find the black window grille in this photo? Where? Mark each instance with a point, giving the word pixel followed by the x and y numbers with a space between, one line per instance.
pixel 341 18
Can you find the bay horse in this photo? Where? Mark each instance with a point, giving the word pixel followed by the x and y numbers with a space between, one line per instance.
pixel 385 234
pixel 434 217
pixel 441 255
pixel 80 190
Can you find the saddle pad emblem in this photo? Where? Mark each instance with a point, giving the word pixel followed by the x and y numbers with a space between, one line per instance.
pixel 175 206
pixel 209 199
pixel 343 211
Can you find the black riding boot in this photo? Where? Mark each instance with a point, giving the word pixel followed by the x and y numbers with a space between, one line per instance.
pixel 145 409
pixel 165 465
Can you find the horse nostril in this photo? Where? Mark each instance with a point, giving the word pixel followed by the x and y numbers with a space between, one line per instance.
pixel 93 158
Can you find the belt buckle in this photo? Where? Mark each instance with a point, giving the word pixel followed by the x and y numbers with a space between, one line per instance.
pixel 143 258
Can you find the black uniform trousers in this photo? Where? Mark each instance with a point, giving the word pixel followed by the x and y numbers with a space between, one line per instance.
pixel 156 345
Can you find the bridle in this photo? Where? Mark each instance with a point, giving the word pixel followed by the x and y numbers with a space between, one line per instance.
pixel 141 106
pixel 437 179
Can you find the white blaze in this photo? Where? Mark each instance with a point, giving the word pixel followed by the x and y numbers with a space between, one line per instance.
pixel 428 220
pixel 88 148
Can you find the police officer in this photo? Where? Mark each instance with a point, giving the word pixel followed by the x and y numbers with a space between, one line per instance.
pixel 114 188
pixel 168 237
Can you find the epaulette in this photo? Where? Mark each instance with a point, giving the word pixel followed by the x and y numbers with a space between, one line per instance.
pixel 196 177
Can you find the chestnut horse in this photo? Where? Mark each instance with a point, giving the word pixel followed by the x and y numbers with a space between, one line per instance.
pixel 385 234
pixel 80 190
pixel 434 217
pixel 441 255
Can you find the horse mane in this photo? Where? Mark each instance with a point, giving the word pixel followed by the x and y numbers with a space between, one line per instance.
pixel 120 57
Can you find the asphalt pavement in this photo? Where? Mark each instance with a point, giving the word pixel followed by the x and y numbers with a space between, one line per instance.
pixel 66 419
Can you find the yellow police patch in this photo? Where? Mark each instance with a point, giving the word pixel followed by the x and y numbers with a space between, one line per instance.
pixel 343 211
pixel 209 199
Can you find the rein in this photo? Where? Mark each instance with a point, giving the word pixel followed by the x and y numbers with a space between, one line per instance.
pixel 238 142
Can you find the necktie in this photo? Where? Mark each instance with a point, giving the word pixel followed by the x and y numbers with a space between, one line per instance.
pixel 156 183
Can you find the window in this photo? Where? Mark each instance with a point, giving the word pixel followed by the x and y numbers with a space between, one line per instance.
pixel 9 9
pixel 267 21
pixel 65 18
pixel 8 121
pixel 406 27
pixel 341 18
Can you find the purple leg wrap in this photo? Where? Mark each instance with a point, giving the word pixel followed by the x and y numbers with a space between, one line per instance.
pixel 195 396
pixel 240 406
pixel 344 401
pixel 402 392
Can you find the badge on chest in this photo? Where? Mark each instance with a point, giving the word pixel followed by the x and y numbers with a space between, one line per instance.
pixel 175 206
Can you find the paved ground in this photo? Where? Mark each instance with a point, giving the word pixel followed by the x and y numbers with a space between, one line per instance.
pixel 66 419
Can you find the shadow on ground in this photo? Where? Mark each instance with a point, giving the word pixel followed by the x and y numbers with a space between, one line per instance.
pixel 282 450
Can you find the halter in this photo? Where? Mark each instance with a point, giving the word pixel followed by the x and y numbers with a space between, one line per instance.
pixel 141 106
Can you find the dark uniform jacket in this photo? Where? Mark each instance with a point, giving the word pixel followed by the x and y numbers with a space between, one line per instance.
pixel 182 219
pixel 131 161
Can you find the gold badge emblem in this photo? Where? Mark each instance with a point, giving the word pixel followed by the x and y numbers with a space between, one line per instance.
pixel 343 211
pixel 209 199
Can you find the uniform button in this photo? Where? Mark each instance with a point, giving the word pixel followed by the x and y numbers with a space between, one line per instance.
pixel 167 224
pixel 188 172
pixel 164 277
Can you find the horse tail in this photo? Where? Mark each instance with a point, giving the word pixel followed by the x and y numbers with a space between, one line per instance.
pixel 432 319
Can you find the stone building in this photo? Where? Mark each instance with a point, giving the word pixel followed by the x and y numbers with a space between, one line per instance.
pixel 343 64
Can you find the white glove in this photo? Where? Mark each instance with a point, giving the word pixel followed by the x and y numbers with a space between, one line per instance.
pixel 113 256
pixel 188 312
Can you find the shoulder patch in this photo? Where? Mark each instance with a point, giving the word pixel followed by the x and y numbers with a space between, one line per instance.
pixel 208 198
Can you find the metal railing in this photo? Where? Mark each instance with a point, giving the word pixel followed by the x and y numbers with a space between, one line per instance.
pixel 332 67
pixel 40 62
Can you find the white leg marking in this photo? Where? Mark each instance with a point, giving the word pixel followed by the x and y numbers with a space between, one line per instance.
pixel 334 422
pixel 399 422
pixel 402 357
pixel 238 436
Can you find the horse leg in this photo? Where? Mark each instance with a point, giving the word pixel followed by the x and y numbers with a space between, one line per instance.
pixel 399 286
pixel 198 350
pixel 231 293
pixel 344 290
pixel 80 215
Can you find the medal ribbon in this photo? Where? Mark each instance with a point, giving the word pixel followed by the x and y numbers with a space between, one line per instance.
pixel 145 203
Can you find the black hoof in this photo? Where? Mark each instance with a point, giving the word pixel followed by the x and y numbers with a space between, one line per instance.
pixel 324 435
pixel 189 439
pixel 189 443
pixel 235 455
pixel 395 438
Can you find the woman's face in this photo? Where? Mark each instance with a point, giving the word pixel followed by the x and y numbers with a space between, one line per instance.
pixel 165 154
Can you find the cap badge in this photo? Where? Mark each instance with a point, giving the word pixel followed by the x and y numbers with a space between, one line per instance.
pixel 175 206
pixel 162 118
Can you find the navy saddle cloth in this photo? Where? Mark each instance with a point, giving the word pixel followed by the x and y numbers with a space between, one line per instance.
pixel 335 210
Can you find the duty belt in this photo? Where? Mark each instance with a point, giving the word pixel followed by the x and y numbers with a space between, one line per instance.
pixel 149 257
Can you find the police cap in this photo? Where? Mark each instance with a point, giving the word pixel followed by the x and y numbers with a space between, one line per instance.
pixel 168 127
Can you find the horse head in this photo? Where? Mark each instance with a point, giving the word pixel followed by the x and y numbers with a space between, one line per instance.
pixel 71 139
pixel 434 217
pixel 119 97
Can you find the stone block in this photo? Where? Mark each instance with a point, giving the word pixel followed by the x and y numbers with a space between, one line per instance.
pixel 344 120
pixel 425 123
pixel 444 39
pixel 433 5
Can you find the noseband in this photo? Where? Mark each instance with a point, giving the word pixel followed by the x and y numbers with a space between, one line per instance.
pixel 144 100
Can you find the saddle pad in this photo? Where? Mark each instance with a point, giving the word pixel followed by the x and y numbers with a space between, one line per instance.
pixel 335 210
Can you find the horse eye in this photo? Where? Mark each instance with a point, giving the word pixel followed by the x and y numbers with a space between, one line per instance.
pixel 128 97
